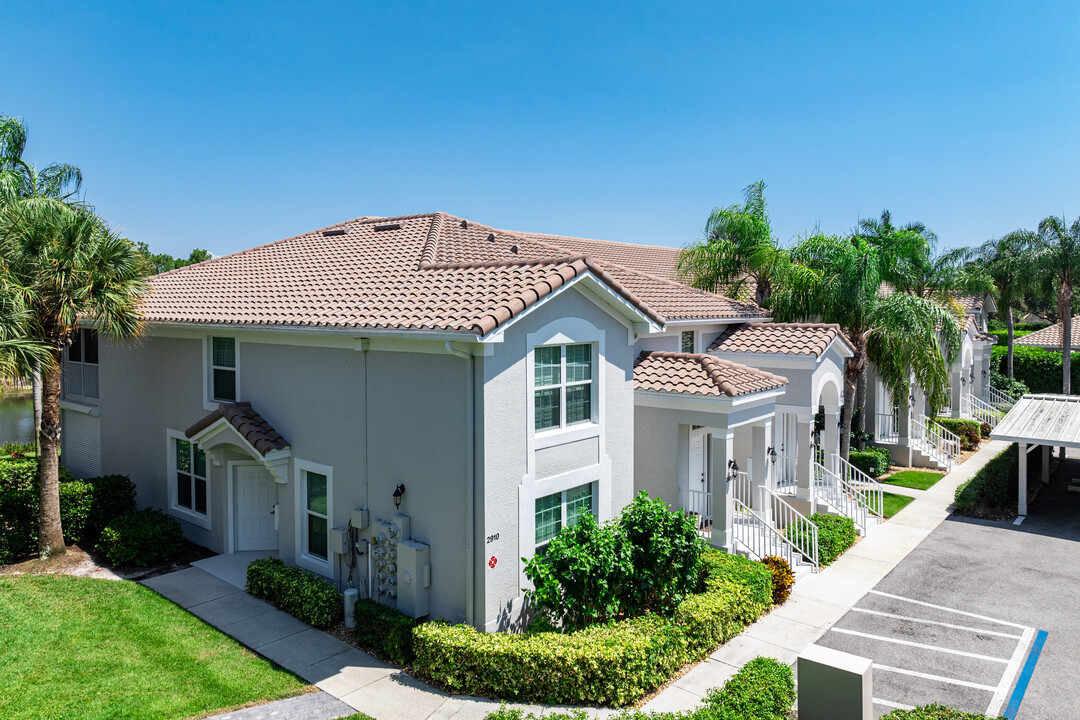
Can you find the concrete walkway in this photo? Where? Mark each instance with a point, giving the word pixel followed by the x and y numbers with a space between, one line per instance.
pixel 820 600
pixel 370 686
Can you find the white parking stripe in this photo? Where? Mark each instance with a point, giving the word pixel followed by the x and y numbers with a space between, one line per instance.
pixel 1010 673
pixel 895 706
pixel 948 609
pixel 938 678
pixel 977 656
pixel 935 622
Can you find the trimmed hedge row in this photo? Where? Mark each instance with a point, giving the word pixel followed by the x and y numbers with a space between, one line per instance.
pixel 763 689
pixel 968 431
pixel 874 461
pixel 933 712
pixel 612 664
pixel 303 595
pixel 836 534
pixel 994 486
pixel 386 631
pixel 142 538
pixel 1040 370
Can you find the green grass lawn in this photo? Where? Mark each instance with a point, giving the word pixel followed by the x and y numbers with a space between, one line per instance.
pixel 84 648
pixel 914 479
pixel 894 503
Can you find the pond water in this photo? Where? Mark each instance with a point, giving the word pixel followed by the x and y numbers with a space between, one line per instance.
pixel 16 419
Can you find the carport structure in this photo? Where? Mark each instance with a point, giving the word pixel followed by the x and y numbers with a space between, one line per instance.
pixel 1039 420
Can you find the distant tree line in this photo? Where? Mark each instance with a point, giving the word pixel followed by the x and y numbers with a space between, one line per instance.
pixel 163 262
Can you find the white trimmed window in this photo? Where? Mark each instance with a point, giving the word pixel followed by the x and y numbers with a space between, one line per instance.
pixel 316 515
pixel 223 385
pixel 564 387
pixel 562 509
pixel 81 367
pixel 189 464
pixel 686 341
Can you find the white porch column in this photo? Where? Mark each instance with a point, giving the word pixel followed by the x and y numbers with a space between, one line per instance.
pixel 804 453
pixel 722 449
pixel 959 382
pixel 1045 464
pixel 760 466
pixel 830 438
pixel 1021 505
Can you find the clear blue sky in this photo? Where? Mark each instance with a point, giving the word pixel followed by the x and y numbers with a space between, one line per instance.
pixel 225 125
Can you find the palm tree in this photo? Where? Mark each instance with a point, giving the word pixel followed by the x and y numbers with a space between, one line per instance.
pixel 737 250
pixel 77 272
pixel 1057 258
pixel 839 280
pixel 1007 260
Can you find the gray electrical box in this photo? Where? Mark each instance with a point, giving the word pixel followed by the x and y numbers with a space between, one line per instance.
pixel 359 518
pixel 413 578
pixel 339 541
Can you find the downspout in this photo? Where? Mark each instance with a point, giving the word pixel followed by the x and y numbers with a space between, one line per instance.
pixel 470 486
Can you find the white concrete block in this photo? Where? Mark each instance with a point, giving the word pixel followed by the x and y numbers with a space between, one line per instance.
pixel 834 685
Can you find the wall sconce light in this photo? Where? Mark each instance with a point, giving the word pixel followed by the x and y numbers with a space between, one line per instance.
pixel 840 424
pixel 972 376
pixel 815 437
pixel 963 380
pixel 771 452
pixel 399 492
pixel 733 469
pixel 984 373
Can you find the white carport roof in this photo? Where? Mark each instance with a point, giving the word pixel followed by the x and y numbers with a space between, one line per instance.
pixel 1052 420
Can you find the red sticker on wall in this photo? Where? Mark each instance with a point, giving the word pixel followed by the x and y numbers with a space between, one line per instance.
pixel 493 562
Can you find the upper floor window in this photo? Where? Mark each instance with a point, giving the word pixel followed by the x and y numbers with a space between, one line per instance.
pixel 687 341
pixel 81 366
pixel 223 369
pixel 563 385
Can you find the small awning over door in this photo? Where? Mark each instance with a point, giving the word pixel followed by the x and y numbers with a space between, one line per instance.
pixel 238 424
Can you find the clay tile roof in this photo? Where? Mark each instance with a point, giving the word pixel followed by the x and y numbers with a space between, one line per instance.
pixel 656 260
pixel 430 272
pixel 700 374
pixel 1052 336
pixel 779 338
pixel 251 426
pixel 971 303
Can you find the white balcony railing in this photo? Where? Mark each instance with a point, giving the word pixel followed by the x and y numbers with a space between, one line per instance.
pixel 887 427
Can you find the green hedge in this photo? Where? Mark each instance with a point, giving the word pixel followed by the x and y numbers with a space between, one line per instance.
pixel 1001 337
pixel 1010 386
pixel 967 430
pixel 142 538
pixel 993 488
pixel 1039 369
pixel 836 534
pixel 763 689
pixel 612 664
pixel 303 595
pixel 874 461
pixel 932 712
pixel 386 631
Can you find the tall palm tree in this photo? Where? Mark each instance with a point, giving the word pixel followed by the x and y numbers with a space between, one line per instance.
pixel 1057 258
pixel 834 279
pixel 737 250
pixel 77 272
pixel 1007 261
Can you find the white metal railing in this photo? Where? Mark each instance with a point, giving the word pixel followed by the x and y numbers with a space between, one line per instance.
pixel 796 528
pixel 998 399
pixel 934 440
pixel 870 493
pixel 972 408
pixel 757 535
pixel 698 505
pixel 887 428
pixel 787 473
pixel 742 489
pixel 840 496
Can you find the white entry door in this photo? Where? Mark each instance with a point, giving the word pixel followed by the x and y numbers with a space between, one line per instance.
pixel 697 461
pixel 256 496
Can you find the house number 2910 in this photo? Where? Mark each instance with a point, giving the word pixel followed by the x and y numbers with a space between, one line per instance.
pixel 492 538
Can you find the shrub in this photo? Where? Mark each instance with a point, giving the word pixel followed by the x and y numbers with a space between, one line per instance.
pixel 782 577
pixel 141 538
pixel 21 473
pixel 18 524
pixel 386 631
pixel 1010 386
pixel 1040 370
pixel 836 534
pixel 303 595
pixel 763 689
pixel 874 461
pixel 966 430
pixel 613 664
pixel 112 496
pixel 994 486
pixel 984 430
pixel 664 552
pixel 932 712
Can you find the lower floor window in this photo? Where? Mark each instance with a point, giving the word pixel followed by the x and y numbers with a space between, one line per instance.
pixel 315 514
pixel 562 509
pixel 190 464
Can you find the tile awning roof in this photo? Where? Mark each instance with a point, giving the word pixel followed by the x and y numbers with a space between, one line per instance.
pixel 779 338
pixel 1042 420
pixel 700 374
pixel 250 424
pixel 430 272
pixel 1052 336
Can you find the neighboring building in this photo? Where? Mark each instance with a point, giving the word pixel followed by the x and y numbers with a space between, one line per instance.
pixel 1052 337
pixel 445 396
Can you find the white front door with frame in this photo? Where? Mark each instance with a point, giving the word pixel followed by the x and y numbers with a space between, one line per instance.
pixel 697 483
pixel 256 498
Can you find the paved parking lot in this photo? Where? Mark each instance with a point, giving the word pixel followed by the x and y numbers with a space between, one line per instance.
pixel 954 621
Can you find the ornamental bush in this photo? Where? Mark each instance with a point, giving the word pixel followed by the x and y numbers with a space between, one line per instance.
pixel 782 577
pixel 966 430
pixel 836 534
pixel 386 631
pixel 932 712
pixel 303 595
pixel 615 663
pixel 1010 386
pixel 993 488
pixel 664 551
pixel 142 538
pixel 874 461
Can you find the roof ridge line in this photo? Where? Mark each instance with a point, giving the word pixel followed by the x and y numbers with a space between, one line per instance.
pixel 431 242
pixel 565 259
